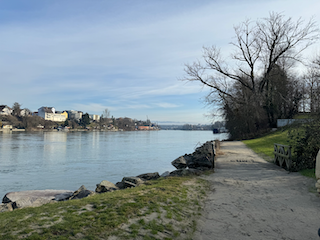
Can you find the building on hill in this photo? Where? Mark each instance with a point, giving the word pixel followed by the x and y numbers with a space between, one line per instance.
pixel 25 112
pixel 94 117
pixel 74 115
pixel 49 113
pixel 5 110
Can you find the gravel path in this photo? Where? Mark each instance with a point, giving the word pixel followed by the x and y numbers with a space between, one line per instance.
pixel 254 199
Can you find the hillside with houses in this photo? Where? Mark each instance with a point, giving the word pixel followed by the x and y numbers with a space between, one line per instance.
pixel 48 118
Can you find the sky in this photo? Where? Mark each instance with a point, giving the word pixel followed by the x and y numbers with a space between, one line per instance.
pixel 125 56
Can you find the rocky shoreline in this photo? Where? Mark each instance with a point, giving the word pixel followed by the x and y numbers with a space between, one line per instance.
pixel 189 164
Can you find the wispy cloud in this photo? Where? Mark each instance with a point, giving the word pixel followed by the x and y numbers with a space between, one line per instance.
pixel 167 105
pixel 125 57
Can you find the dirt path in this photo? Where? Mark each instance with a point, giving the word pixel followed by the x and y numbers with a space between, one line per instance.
pixel 254 199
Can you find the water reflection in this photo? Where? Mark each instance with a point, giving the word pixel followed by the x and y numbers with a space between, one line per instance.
pixel 55 146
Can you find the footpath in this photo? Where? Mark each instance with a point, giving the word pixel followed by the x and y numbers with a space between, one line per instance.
pixel 254 199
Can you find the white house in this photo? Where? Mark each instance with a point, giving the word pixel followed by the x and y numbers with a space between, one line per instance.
pixel 49 113
pixel 25 112
pixel 95 117
pixel 5 110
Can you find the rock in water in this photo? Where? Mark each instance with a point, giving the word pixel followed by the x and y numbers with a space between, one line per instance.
pixel 179 163
pixel 202 158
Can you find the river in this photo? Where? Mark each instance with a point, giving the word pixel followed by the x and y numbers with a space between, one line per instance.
pixel 67 160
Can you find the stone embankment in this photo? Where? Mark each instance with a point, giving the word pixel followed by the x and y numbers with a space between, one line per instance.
pixel 189 164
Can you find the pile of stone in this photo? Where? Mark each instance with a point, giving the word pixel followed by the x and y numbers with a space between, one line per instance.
pixel 201 159
pixel 188 164
pixel 35 198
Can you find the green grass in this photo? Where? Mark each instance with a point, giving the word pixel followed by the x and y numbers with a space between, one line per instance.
pixel 102 215
pixel 265 145
pixel 308 173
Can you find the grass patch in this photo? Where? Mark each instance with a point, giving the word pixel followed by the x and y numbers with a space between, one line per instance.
pixel 265 145
pixel 308 173
pixel 111 214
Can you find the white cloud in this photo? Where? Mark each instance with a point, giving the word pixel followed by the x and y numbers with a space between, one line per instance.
pixel 167 105
pixel 90 57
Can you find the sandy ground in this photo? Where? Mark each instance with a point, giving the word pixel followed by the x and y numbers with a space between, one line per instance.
pixel 254 199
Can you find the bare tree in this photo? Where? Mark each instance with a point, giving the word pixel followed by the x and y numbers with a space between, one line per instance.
pixel 106 113
pixel 104 118
pixel 16 109
pixel 263 49
pixel 311 84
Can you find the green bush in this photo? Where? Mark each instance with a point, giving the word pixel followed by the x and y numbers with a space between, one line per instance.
pixel 305 142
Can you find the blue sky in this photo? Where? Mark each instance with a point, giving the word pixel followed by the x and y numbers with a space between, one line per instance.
pixel 126 56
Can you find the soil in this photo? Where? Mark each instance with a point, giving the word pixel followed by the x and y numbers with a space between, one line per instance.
pixel 251 198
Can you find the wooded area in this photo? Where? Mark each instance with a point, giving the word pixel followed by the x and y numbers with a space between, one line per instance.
pixel 259 82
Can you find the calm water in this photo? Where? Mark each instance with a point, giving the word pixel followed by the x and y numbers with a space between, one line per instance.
pixel 60 160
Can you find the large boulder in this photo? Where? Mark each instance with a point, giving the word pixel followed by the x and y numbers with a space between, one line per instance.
pixel 179 163
pixel 131 182
pixel 105 186
pixel 202 158
pixel 33 198
pixel 149 176
pixel 82 192
pixel 120 185
pixel 165 174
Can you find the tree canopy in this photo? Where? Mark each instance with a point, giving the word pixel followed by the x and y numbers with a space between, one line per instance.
pixel 254 86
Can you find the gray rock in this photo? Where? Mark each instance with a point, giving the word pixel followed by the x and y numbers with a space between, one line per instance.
pixel 30 202
pixel 105 186
pixel 128 182
pixel 6 207
pixel 32 198
pixel 135 180
pixel 185 172
pixel 179 163
pixel 165 174
pixel 149 176
pixel 82 192
pixel 63 196
pixel 120 185
pixel 202 158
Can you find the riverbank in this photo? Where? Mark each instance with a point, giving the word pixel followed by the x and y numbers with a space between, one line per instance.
pixel 64 160
pixel 12 130
pixel 167 208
